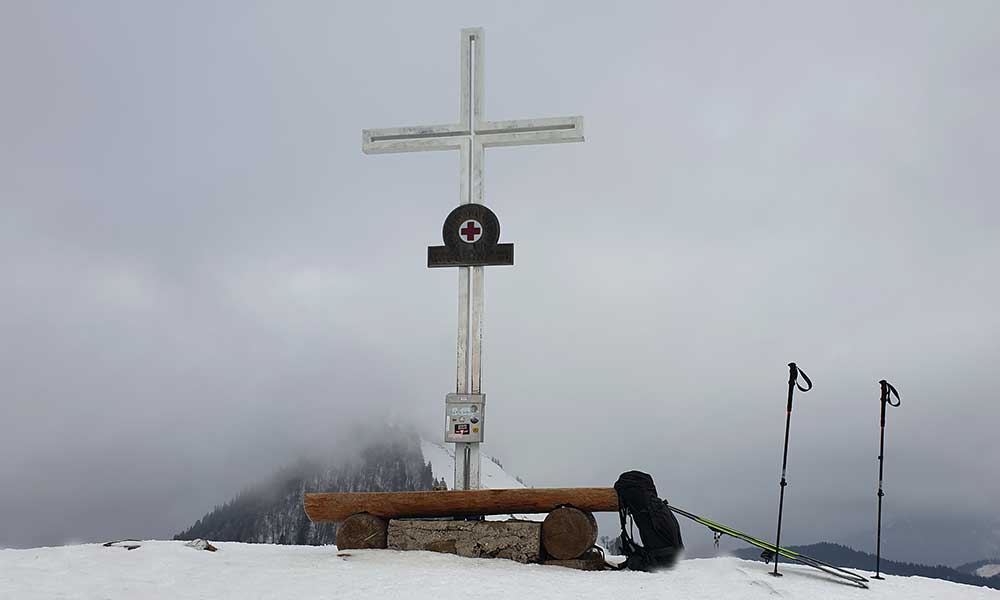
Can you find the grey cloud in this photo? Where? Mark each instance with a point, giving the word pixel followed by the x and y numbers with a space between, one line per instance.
pixel 204 276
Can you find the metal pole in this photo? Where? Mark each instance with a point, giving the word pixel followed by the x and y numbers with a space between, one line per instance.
pixel 462 452
pixel 476 330
pixel 793 374
pixel 466 454
pixel 886 389
pixel 878 535
pixel 471 286
pixel 476 366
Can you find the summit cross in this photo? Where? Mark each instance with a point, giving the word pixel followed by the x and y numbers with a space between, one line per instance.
pixel 473 133
pixel 471 136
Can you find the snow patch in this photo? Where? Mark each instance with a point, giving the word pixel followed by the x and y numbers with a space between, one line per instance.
pixel 442 459
pixel 491 475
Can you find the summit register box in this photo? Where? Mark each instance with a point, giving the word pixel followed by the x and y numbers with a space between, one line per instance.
pixel 464 417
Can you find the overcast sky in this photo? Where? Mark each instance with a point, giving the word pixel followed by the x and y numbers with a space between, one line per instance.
pixel 203 276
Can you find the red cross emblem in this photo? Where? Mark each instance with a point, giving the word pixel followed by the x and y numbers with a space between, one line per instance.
pixel 470 232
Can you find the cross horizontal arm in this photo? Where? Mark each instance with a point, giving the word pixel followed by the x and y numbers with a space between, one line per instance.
pixel 413 139
pixel 522 132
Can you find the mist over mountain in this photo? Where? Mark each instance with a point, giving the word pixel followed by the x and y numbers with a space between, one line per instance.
pixel 989 567
pixel 933 538
pixel 271 511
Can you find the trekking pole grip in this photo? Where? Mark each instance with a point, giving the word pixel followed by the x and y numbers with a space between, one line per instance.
pixel 888 391
pixel 793 382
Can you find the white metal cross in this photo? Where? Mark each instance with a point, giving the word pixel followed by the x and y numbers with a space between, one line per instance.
pixel 472 133
pixel 470 136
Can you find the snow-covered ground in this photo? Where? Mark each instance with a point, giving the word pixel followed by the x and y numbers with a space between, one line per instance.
pixel 169 570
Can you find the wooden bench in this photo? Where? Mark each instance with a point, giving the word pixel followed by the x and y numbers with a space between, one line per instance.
pixel 568 531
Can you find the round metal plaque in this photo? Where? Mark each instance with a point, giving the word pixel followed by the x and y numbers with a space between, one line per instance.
pixel 471 231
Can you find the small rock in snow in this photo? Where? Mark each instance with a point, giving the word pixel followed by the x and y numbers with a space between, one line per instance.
pixel 200 544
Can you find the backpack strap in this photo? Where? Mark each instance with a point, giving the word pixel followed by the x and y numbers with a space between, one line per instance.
pixel 636 557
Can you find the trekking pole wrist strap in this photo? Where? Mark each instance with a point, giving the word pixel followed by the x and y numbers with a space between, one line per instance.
pixel 888 391
pixel 793 378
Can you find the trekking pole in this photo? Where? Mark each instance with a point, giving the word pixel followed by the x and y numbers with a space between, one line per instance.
pixel 887 392
pixel 793 376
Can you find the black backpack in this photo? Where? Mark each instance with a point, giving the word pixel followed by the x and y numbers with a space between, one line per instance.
pixel 658 528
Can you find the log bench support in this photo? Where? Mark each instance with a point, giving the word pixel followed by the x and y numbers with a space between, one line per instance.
pixel 516 540
pixel 362 531
pixel 568 533
pixel 591 560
